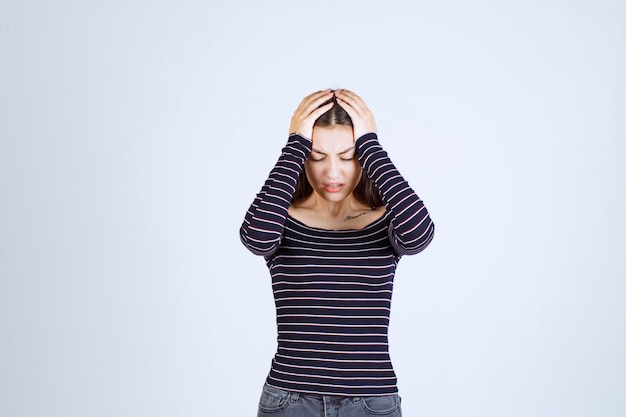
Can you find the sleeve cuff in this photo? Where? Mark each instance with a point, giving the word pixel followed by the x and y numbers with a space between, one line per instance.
pixel 358 144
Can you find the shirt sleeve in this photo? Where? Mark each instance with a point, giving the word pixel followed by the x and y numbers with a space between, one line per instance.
pixel 411 228
pixel 262 228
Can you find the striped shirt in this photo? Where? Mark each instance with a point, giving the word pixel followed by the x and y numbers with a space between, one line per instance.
pixel 332 288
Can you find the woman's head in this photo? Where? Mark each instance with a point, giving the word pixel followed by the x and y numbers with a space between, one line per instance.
pixel 332 132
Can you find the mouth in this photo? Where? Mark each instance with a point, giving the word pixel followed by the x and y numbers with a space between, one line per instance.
pixel 333 187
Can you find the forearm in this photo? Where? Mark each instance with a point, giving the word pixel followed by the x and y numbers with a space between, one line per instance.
pixel 262 228
pixel 411 228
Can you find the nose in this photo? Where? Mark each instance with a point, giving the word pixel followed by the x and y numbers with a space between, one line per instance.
pixel 333 169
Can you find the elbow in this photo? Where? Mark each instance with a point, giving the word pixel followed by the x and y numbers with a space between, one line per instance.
pixel 258 243
pixel 415 242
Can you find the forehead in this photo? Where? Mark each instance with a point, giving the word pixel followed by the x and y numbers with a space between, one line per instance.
pixel 332 139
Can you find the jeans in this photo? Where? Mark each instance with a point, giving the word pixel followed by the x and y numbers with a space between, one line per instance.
pixel 278 403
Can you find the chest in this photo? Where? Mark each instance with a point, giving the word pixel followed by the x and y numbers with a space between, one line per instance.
pixel 309 253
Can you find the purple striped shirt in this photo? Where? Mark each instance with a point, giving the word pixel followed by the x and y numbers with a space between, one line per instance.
pixel 332 288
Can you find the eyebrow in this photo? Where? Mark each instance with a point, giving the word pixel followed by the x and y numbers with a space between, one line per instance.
pixel 340 153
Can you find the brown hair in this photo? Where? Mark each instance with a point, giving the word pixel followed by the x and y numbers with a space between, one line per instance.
pixel 365 190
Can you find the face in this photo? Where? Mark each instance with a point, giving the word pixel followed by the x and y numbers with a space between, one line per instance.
pixel 333 169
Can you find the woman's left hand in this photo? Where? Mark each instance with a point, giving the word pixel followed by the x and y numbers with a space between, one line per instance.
pixel 362 118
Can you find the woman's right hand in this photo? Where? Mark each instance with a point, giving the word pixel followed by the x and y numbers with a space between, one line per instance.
pixel 308 111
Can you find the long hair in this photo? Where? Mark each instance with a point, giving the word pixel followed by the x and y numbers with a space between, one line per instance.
pixel 365 190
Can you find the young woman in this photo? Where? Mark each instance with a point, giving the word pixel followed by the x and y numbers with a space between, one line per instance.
pixel 332 221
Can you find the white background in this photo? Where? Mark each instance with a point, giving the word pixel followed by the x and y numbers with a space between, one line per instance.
pixel 134 135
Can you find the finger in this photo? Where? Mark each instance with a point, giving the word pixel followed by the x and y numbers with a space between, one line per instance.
pixel 321 110
pixel 352 112
pixel 361 116
pixel 316 97
pixel 312 108
pixel 354 116
pixel 322 99
pixel 348 93
pixel 353 100
pixel 348 101
pixel 315 94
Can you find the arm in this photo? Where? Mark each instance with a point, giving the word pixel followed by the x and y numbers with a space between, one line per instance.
pixel 411 228
pixel 262 228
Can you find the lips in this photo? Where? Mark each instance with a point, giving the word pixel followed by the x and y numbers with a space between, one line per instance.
pixel 333 187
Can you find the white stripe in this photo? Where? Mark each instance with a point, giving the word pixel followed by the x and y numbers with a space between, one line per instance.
pixel 319 342
pixel 386 300
pixel 332 385
pixel 324 368
pixel 339 291
pixel 345 378
pixel 336 334
pixel 320 307
pixel 336 351
pixel 299 358
pixel 367 284
pixel 329 316
pixel 351 326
